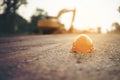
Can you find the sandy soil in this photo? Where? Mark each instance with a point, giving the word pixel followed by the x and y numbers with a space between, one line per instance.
pixel 49 57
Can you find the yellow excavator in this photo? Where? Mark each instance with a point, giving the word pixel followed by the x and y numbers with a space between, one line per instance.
pixel 51 25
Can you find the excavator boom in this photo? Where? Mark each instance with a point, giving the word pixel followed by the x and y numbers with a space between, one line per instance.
pixel 65 11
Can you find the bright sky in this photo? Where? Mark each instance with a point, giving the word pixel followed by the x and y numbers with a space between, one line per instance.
pixel 90 13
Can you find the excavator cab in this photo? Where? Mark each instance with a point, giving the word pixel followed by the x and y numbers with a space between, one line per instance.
pixel 51 25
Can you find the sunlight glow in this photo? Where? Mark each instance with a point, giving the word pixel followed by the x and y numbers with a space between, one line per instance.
pixel 89 13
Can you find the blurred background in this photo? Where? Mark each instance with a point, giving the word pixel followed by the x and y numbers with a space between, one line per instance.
pixel 59 17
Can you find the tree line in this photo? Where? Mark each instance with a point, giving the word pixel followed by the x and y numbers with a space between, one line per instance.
pixel 11 22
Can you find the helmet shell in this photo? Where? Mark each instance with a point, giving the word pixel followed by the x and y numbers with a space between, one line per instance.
pixel 83 43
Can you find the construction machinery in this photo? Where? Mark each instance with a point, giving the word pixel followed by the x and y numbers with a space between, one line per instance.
pixel 53 25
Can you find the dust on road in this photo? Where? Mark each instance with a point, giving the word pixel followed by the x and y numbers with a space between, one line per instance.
pixel 49 57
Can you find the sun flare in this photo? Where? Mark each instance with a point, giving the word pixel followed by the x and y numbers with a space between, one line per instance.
pixel 92 15
pixel 89 13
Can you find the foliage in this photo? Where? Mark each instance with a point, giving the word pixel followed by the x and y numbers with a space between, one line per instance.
pixel 12 5
pixel 116 26
pixel 8 18
pixel 38 15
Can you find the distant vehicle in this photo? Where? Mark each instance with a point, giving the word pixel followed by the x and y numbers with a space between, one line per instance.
pixel 53 25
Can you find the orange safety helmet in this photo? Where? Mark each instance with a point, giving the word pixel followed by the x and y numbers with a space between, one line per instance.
pixel 82 43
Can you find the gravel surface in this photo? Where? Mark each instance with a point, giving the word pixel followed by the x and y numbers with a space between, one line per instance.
pixel 49 57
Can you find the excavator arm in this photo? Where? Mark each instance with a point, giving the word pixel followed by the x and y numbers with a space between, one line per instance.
pixel 65 11
pixel 71 29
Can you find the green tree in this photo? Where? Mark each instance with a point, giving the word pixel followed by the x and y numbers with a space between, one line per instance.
pixel 116 25
pixel 8 20
pixel 12 5
pixel 38 15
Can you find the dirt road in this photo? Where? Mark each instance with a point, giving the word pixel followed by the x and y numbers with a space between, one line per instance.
pixel 49 57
